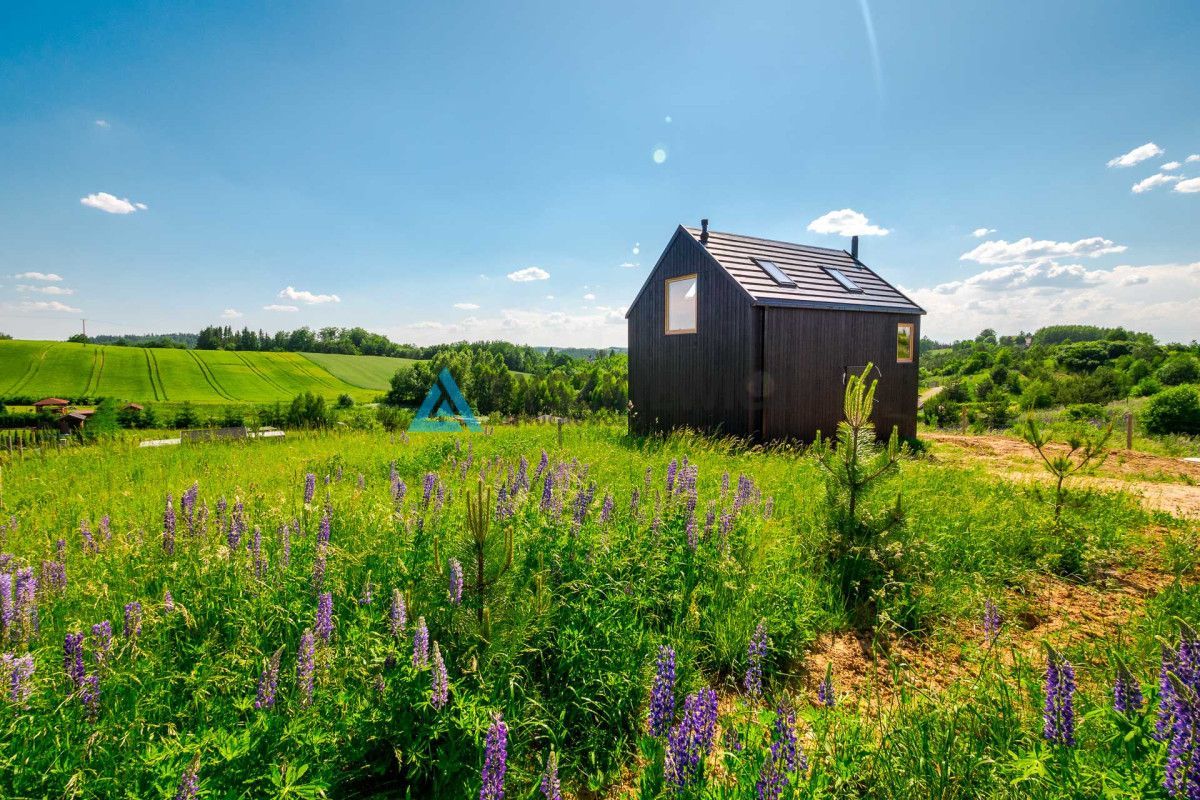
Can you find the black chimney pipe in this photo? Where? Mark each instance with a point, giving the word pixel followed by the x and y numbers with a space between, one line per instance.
pixel 703 231
pixel 854 247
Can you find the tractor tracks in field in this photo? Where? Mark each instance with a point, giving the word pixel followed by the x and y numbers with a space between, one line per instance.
pixel 260 373
pixel 156 382
pixel 31 370
pixel 93 383
pixel 210 377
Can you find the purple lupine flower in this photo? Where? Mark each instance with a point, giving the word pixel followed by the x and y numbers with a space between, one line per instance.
pixel 398 619
pixel 784 758
pixel 671 469
pixel 522 479
pixel 427 488
pixel 825 693
pixel 769 507
pixel 368 593
pixel 89 695
pixel 1182 778
pixel 550 787
pixel 324 530
pixel 60 549
pixel 456 582
pixel 543 462
pixel 633 502
pixel 237 526
pixel 440 689
pixel 101 641
pixel 393 473
pixel 662 692
pixel 991 621
pixel 724 484
pixel 168 539
pixel 547 492
pixel 306 666
pixel 1127 692
pixel 324 624
pixel 258 560
pixel 318 576
pixel 495 760
pixel 755 653
pixel 8 609
pixel 168 602
pixel 133 619
pixel 106 528
pixel 25 602
pixel 73 658
pixel 710 518
pixel 691 532
pixel 18 671
pixel 310 487
pixel 221 506
pixel 54 575
pixel 189 782
pixel 420 654
pixel 268 682
pixel 89 542
pixel 691 739
pixel 441 497
pixel 502 511
pixel 726 523
pixel 362 481
pixel 399 490
pixel 606 508
pixel 187 504
pixel 744 491
pixel 1059 711
pixel 687 481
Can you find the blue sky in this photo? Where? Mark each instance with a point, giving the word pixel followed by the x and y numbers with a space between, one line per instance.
pixel 402 166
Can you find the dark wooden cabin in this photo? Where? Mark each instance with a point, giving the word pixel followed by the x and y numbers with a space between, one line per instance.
pixel 755 338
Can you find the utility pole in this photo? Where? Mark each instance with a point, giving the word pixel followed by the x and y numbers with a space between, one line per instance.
pixel 84 321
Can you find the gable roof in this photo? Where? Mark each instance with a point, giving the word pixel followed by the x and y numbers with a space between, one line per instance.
pixel 805 265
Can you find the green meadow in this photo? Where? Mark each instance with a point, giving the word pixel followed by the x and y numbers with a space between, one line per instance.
pixel 596 554
pixel 137 374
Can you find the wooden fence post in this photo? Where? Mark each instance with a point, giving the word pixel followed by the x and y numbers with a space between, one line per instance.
pixel 560 420
pixel 1128 430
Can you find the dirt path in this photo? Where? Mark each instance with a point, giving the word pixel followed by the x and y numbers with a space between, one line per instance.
pixel 1161 483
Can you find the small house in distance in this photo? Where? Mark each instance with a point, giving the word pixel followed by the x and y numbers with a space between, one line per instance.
pixel 756 338
pixel 51 403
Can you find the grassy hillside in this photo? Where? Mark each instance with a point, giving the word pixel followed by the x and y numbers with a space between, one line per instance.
pixel 366 372
pixel 198 376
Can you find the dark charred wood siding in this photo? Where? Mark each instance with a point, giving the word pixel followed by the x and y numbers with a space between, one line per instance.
pixel 700 380
pixel 806 356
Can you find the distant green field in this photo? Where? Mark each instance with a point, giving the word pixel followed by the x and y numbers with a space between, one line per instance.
pixel 366 372
pixel 140 374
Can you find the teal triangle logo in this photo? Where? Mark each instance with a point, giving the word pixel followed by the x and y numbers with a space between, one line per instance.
pixel 444 409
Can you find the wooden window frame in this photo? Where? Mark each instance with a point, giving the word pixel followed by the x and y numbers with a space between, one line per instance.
pixel 667 304
pixel 912 344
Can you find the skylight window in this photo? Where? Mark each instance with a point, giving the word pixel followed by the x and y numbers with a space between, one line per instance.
pixel 775 272
pixel 847 284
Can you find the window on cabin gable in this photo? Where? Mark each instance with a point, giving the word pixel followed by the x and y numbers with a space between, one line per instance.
pixel 904 342
pixel 681 304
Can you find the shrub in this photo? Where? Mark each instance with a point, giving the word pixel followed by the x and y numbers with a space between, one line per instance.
pixel 1175 410
pixel 1086 412
pixel 1179 368
pixel 186 416
pixel 1036 394
pixel 1146 387
pixel 345 401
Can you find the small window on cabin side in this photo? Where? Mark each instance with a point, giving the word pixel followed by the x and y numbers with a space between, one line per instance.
pixel 904 343
pixel 681 304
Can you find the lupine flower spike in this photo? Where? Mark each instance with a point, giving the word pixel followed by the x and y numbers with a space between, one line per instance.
pixel 756 652
pixel 825 694
pixel 662 693
pixel 440 689
pixel 1059 710
pixel 495 760
pixel 551 788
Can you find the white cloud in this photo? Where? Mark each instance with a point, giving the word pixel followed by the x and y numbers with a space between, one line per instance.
pixel 47 305
pixel 38 276
pixel 549 297
pixel 1002 252
pixel 1154 180
pixel 1190 186
pixel 102 123
pixel 308 297
pixel 231 313
pixel 466 306
pixel 55 290
pixel 1137 155
pixel 629 265
pixel 979 233
pixel 1164 298
pixel 637 248
pixel 110 204
pixel 277 307
pixel 528 274
pixel 1171 165
pixel 1192 157
pixel 589 296
pixel 846 222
